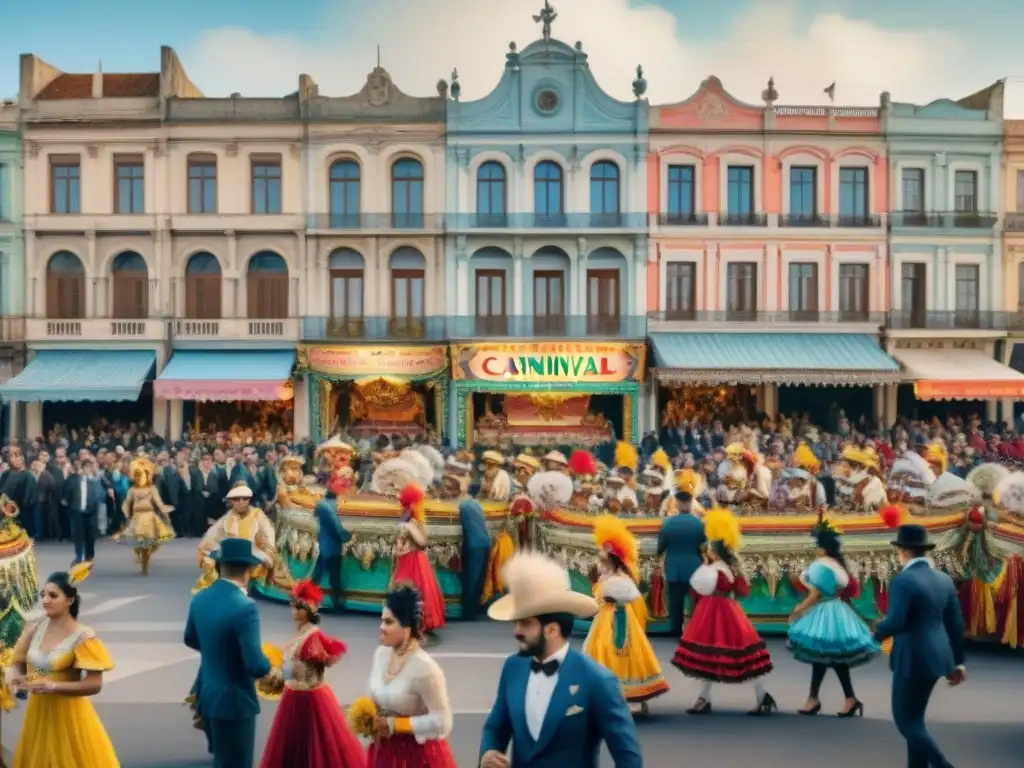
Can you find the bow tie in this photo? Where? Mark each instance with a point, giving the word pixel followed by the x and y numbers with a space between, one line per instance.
pixel 549 668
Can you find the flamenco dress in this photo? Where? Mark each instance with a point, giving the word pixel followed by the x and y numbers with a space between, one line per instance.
pixel 309 728
pixel 618 640
pixel 831 632
pixel 417 700
pixel 414 566
pixel 62 731
pixel 719 644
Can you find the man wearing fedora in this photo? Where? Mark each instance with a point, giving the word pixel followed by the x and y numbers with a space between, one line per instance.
pixel 224 627
pixel 927 628
pixel 554 705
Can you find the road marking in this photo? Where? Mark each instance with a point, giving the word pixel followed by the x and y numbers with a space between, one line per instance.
pixel 106 606
pixel 130 627
pixel 458 655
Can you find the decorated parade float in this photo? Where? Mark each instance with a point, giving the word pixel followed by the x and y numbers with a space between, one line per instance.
pixel 19 583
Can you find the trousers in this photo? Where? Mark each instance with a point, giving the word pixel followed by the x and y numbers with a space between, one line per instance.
pixel 677 592
pixel 83 531
pixel 332 566
pixel 909 703
pixel 233 742
pixel 474 565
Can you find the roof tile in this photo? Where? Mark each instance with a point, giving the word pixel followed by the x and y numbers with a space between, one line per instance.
pixel 115 86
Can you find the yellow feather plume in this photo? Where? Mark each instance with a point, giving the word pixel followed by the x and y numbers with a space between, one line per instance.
pixel 721 525
pixel 661 460
pixel 686 482
pixel 612 535
pixel 626 455
pixel 361 716
pixel 79 573
pixel 804 458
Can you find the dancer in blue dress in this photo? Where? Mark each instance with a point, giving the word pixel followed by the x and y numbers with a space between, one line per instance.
pixel 825 631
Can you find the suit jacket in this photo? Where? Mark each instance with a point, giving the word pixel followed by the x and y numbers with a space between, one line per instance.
pixel 680 540
pixel 925 622
pixel 474 530
pixel 332 536
pixel 586 708
pixel 93 494
pixel 212 505
pixel 224 626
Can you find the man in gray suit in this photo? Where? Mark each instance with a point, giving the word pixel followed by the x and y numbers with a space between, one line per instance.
pixel 927 628
pixel 680 540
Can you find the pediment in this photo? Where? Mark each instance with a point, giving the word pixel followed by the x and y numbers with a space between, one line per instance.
pixel 711 106
pixel 548 52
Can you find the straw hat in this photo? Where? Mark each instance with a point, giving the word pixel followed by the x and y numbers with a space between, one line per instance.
pixel 335 444
pixel 492 457
pixel 537 585
pixel 527 461
pixel 557 458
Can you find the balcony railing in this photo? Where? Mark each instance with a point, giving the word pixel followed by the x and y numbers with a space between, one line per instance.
pixel 944 219
pixel 803 220
pixel 1014 222
pixel 784 317
pixel 857 220
pixel 915 219
pixel 969 320
pixel 387 222
pixel 95 329
pixel 460 221
pixel 840 220
pixel 682 219
pixel 743 220
pixel 327 329
pixel 235 329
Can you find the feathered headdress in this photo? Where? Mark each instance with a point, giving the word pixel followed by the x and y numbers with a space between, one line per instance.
pixel 612 536
pixel 804 458
pixel 660 460
pixel 936 454
pixel 626 455
pixel 721 525
pixel 582 463
pixel 308 595
pixel 79 573
pixel 825 530
pixel 686 482
pixel 413 502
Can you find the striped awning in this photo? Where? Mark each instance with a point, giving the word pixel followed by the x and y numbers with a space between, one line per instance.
pixel 210 375
pixel 82 376
pixel 959 374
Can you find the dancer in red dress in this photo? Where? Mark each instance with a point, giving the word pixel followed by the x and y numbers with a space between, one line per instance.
pixel 310 730
pixel 719 644
pixel 411 562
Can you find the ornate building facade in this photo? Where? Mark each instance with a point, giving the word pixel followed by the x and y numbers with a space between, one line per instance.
pixel 12 261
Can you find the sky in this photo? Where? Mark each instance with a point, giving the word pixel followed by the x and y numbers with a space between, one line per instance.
pixel 918 50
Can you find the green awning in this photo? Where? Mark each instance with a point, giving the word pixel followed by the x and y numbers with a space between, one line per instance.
pixel 82 376
pixel 829 359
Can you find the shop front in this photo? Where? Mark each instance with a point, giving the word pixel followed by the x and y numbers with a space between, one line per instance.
pixel 560 393
pixel 368 390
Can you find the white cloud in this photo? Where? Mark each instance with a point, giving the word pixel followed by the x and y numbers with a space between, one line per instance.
pixel 422 41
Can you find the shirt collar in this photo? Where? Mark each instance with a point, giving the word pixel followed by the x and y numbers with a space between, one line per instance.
pixel 558 655
pixel 914 561
pixel 237 586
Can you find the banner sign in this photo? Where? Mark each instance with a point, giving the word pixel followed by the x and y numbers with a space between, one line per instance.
pixel 548 362
pixel 359 361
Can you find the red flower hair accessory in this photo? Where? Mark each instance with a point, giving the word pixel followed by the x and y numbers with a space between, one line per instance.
pixel 308 595
pixel 891 515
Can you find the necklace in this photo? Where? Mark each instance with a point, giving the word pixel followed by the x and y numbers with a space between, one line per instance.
pixel 399 657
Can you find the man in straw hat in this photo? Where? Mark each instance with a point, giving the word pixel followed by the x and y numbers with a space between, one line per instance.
pixel 571 703
pixel 927 628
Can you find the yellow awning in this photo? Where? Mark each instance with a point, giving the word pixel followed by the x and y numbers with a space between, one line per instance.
pixel 958 374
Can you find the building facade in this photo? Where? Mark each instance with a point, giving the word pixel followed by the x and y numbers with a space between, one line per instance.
pixel 12 259
pixel 768 264
pixel 1013 242
pixel 947 270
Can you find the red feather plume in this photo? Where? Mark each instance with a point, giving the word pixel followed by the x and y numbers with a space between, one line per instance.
pixel 891 515
pixel 583 463
pixel 307 592
pixel 410 496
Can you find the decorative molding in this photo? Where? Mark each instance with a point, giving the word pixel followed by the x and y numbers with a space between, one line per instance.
pixel 33 149
pixel 93 151
pixel 232 149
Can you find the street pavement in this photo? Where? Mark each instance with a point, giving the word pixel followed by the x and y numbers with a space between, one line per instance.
pixel 141 621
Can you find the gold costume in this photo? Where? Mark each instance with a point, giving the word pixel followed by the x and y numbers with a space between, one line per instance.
pixel 147 524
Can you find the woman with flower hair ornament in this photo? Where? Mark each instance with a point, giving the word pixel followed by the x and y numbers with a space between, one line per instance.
pixel 411 562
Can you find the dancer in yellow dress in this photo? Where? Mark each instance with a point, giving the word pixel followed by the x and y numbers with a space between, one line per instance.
pixel 61 664
pixel 148 525
pixel 618 633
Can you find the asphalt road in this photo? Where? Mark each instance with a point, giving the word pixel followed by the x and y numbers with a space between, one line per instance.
pixel 141 621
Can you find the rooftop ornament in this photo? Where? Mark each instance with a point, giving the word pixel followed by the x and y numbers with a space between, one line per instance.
pixel 455 87
pixel 640 84
pixel 546 16
pixel 769 95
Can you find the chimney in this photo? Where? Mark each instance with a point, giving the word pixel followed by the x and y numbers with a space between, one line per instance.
pixel 97 83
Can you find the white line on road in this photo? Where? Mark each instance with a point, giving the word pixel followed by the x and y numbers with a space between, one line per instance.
pixel 458 655
pixel 106 606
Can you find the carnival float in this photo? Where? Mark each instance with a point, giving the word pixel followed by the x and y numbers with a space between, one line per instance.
pixel 19 582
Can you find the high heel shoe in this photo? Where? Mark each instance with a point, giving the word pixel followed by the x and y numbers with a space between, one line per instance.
pixel 857 710
pixel 766 707
pixel 701 707
pixel 810 712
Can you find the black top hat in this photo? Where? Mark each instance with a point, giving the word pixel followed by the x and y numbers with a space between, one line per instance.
pixel 912 537
pixel 236 552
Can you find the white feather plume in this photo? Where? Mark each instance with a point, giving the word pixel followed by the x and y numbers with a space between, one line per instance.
pixel 420 464
pixel 1010 493
pixel 533 573
pixel 913 465
pixel 434 457
pixel 549 490
pixel 392 476
pixel 987 477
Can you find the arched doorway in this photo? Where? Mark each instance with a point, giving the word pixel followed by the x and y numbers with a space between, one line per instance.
pixel 65 287
pixel 130 284
pixel 267 284
pixel 203 287
pixel 408 290
pixel 347 269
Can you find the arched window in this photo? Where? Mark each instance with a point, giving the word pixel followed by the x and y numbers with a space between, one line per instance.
pixel 491 194
pixel 267 284
pixel 65 287
pixel 203 287
pixel 408 277
pixel 407 193
pixel 130 283
pixel 347 280
pixel 604 190
pixel 344 194
pixel 548 194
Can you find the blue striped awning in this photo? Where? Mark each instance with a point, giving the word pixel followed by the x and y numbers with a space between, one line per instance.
pixel 227 376
pixel 772 358
pixel 82 376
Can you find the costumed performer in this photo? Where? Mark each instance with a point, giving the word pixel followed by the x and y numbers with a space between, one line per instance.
pixel 309 728
pixel 618 634
pixel 825 630
pixel 411 561
pixel 61 728
pixel 19 584
pixel 681 542
pixel 147 519
pixel 720 645
pixel 413 714
pixel 554 705
pixel 331 539
pixel 476 550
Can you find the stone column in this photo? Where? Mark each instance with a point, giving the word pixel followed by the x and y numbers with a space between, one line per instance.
pixel 230 303
pixel 177 418
pixel 301 408
pixel 580 278
pixel 518 289
pixel 461 277
pixel 641 247
pixel 160 425
pixel 93 305
pixel 33 419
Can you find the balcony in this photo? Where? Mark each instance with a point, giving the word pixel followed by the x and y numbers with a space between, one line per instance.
pixel 442 329
pixel 743 220
pixel 957 320
pixel 376 222
pixel 682 320
pixel 12 330
pixel 218 223
pixel 943 220
pixel 857 221
pixel 253 331
pixel 801 220
pixel 1013 222
pixel 840 221
pixel 682 219
pixel 79 223
pixel 96 329
pixel 915 219
pixel 605 221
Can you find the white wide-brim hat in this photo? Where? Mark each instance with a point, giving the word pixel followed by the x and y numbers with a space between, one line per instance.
pixel 537 586
pixel 240 492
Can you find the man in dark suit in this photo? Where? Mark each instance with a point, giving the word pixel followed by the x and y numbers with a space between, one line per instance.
pixel 209 487
pixel 680 540
pixel 927 628
pixel 331 540
pixel 84 495
pixel 476 551
pixel 224 627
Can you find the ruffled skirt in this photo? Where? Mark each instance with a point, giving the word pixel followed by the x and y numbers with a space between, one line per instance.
pixel 310 731
pixel 415 567
pixel 403 751
pixel 720 644
pixel 617 641
pixel 146 530
pixel 832 633
pixel 63 732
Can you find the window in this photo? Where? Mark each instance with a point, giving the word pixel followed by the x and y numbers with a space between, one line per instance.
pixel 604 191
pixel 803 193
pixel 681 290
pixel 967 280
pixel 347 286
pixel 344 194
pixel 912 293
pixel 1020 191
pixel 548 194
pixel 741 190
pixel 913 190
pixel 407 193
pixel 130 178
pixel 965 192
pixel 853 194
pixel 682 192
pixel 65 287
pixel 267 287
pixel 408 270
pixel 131 286
pixel 491 317
pixel 491 194
pixel 853 291
pixel 549 302
pixel 4 194
pixel 741 290
pixel 603 300
pixel 65 185
pixel 266 185
pixel 202 184
pixel 203 287
pixel 803 290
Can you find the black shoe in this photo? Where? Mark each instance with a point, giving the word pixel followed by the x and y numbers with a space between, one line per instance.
pixel 810 712
pixel 766 707
pixel 857 710
pixel 701 707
